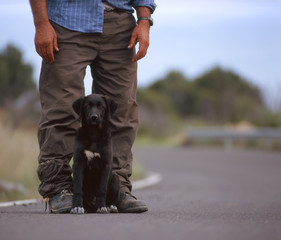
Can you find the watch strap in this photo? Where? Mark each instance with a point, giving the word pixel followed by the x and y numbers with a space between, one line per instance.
pixel 146 18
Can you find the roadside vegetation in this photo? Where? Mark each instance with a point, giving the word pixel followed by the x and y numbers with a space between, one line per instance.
pixel 217 98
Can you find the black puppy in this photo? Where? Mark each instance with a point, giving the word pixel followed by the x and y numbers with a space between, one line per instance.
pixel 95 187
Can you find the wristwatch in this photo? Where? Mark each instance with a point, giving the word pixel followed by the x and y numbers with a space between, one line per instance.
pixel 150 19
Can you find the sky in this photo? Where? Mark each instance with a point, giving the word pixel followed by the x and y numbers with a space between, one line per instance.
pixel 191 36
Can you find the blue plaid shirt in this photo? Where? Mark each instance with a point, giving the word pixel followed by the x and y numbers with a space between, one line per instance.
pixel 87 15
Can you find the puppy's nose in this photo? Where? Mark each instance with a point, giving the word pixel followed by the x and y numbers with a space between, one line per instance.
pixel 94 117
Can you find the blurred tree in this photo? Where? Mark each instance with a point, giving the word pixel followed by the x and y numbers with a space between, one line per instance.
pixel 15 75
pixel 224 96
pixel 217 96
pixel 176 87
pixel 158 116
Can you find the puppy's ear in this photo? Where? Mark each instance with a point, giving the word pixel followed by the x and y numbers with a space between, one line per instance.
pixel 111 106
pixel 77 106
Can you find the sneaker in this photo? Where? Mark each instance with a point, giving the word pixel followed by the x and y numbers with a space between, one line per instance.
pixel 130 204
pixel 61 202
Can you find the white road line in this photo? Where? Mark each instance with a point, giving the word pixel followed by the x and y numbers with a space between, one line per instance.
pixel 21 202
pixel 150 180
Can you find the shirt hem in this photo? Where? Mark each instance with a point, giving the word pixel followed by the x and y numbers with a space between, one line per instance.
pixel 76 29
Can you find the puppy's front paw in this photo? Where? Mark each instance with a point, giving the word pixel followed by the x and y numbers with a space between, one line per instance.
pixel 77 210
pixel 112 209
pixel 102 210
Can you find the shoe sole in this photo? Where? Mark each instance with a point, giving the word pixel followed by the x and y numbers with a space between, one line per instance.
pixel 133 210
pixel 62 210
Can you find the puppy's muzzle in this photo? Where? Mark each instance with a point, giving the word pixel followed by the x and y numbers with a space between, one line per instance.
pixel 94 119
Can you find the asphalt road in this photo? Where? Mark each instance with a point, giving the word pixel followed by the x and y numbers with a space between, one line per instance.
pixel 204 194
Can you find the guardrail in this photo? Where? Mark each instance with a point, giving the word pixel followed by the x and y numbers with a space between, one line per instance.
pixel 229 134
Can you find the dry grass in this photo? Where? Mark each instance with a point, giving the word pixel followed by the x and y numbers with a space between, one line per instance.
pixel 18 159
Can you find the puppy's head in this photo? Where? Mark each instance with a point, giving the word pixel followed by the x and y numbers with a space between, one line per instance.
pixel 94 109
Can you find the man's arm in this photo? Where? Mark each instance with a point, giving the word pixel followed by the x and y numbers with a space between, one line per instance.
pixel 45 36
pixel 141 33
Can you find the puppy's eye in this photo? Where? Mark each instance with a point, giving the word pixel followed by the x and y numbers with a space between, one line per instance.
pixel 99 105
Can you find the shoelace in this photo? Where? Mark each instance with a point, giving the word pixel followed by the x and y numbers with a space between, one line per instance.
pixel 124 195
pixel 65 192
pixel 132 195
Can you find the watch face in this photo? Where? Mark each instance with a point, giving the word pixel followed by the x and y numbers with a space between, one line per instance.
pixel 151 21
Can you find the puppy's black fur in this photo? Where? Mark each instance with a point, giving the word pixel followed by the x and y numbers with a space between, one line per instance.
pixel 95 187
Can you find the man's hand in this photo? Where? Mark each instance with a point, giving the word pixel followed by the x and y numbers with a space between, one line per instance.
pixel 46 42
pixel 45 36
pixel 140 35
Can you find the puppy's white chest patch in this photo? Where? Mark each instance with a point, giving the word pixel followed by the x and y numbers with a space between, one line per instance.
pixel 90 155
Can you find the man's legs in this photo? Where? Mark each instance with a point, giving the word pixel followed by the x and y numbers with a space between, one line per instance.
pixel 61 83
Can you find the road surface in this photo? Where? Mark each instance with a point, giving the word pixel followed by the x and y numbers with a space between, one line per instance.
pixel 209 194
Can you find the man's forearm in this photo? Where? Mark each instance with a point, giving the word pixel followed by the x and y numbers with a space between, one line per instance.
pixel 39 10
pixel 143 12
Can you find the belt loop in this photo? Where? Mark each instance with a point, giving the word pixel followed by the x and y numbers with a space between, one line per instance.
pixel 107 7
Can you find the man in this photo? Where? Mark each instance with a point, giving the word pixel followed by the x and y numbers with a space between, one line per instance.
pixel 71 35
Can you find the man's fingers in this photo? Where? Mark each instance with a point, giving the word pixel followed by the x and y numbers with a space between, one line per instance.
pixel 46 53
pixel 40 50
pixel 133 40
pixel 143 46
pixel 138 56
pixel 50 53
pixel 132 43
pixel 56 44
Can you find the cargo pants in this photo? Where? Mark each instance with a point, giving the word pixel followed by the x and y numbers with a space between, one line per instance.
pixel 62 82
